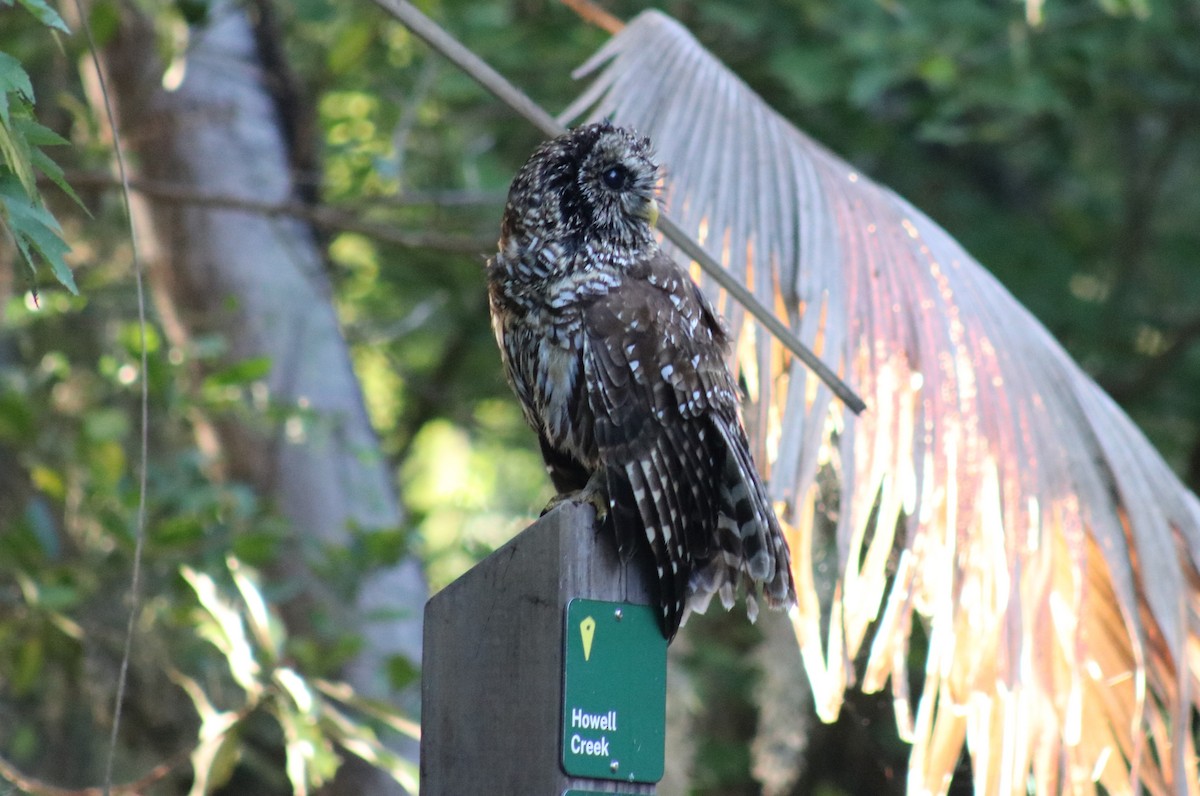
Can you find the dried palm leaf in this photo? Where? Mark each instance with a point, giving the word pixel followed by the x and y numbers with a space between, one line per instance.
pixel 992 491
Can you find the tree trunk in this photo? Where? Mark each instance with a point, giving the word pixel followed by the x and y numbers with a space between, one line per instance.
pixel 259 283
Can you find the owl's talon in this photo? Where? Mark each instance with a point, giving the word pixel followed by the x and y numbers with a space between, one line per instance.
pixel 593 493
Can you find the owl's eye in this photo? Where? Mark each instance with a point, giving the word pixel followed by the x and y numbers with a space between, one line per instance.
pixel 615 177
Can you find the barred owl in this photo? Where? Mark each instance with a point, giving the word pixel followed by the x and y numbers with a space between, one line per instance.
pixel 619 364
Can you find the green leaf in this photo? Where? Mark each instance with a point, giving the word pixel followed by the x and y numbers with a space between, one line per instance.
pixel 382 711
pixel 45 14
pixel 37 134
pixel 54 172
pixel 224 628
pixel 256 547
pixel 14 156
pixel 28 665
pixel 402 672
pixel 240 373
pixel 311 760
pixel 34 229
pixel 386 547
pixel 13 79
pixel 104 21
pixel 217 750
pixel 105 425
pixel 297 689
pixel 361 740
pixel 267 629
pixel 17 422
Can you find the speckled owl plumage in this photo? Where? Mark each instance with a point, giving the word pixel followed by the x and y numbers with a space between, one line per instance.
pixel 619 363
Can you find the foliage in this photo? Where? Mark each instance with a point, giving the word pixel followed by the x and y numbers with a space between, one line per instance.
pixel 32 227
pixel 67 553
pixel 68 448
pixel 310 712
pixel 1063 155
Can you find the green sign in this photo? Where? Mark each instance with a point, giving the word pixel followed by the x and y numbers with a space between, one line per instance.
pixel 614 692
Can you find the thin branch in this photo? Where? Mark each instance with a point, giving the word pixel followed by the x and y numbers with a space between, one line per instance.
pixel 26 784
pixel 319 215
pixel 139 528
pixel 595 15
pixel 445 197
pixel 429 32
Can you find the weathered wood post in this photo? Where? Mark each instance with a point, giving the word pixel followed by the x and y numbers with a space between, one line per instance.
pixel 529 686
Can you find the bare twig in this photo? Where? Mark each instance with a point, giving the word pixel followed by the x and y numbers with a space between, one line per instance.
pixel 319 215
pixel 429 32
pixel 449 197
pixel 595 15
pixel 26 784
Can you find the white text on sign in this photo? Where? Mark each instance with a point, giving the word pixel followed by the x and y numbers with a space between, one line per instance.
pixel 592 721
pixel 599 748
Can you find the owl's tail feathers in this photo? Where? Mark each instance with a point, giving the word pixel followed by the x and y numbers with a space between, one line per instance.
pixel 750 545
pixel 642 505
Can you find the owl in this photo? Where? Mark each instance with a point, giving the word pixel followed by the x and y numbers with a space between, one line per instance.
pixel 620 366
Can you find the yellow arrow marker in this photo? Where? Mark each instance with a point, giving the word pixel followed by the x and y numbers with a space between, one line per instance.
pixel 587 629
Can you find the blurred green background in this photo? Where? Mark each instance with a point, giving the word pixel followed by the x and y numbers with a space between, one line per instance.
pixel 1060 145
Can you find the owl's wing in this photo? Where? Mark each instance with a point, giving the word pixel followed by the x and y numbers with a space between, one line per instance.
pixel 675 458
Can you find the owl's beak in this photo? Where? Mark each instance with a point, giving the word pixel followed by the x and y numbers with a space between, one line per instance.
pixel 650 211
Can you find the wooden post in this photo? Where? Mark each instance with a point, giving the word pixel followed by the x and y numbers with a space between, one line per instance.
pixel 492 674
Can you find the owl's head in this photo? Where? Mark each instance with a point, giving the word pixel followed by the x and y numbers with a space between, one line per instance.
pixel 593 186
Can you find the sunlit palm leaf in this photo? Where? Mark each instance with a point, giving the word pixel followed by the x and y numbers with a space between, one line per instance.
pixel 991 489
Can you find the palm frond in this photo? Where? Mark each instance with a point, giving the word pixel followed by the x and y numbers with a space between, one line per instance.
pixel 992 491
